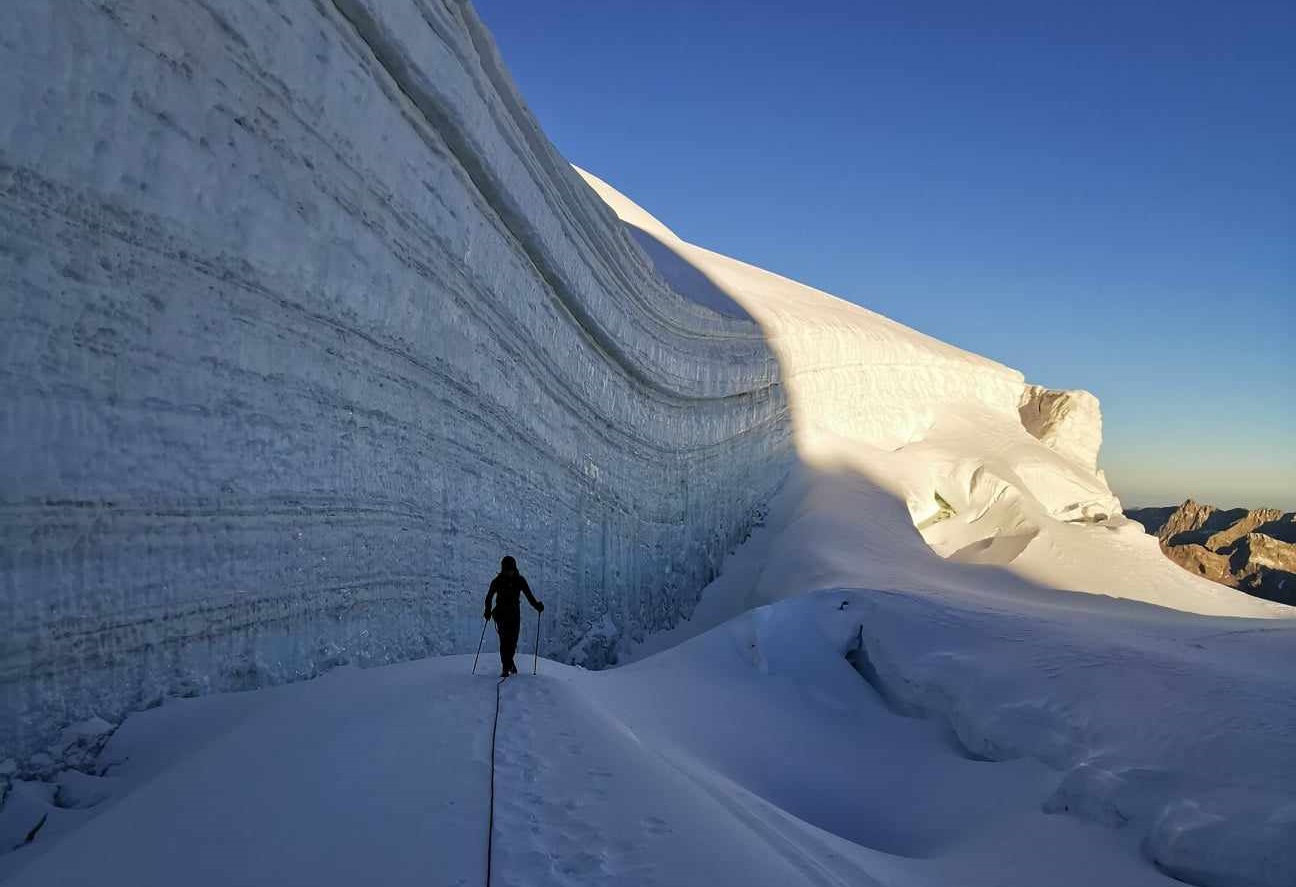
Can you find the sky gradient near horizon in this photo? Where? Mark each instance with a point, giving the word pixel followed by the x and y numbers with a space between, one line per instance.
pixel 1100 195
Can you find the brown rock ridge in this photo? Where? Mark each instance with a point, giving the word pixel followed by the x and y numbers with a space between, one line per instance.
pixel 1251 550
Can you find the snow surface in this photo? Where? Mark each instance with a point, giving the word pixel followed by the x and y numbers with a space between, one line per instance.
pixel 886 418
pixel 753 754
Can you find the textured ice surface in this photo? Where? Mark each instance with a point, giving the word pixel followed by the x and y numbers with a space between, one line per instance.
pixel 304 325
pixel 1068 421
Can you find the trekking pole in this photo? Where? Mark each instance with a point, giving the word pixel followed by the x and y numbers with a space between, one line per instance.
pixel 479 645
pixel 535 666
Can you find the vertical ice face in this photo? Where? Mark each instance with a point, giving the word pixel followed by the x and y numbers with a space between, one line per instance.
pixel 304 324
pixel 1069 422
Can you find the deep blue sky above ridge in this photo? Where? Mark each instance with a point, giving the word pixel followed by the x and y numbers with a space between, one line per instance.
pixel 1102 195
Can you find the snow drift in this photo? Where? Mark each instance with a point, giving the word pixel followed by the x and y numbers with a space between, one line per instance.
pixel 1172 729
pixel 989 469
pixel 752 754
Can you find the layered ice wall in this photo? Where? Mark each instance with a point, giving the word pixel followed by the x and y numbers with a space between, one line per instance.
pixel 858 382
pixel 303 324
pixel 850 372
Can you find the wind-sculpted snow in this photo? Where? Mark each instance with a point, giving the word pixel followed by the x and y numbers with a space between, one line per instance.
pixel 304 325
pixel 1157 723
pixel 849 372
pixel 991 470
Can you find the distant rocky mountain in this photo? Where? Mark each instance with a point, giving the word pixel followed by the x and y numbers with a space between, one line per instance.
pixel 1252 550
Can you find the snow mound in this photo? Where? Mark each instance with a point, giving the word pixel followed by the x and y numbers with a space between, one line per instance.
pixel 847 736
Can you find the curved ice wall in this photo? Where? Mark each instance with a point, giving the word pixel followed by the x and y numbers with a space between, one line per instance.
pixel 303 323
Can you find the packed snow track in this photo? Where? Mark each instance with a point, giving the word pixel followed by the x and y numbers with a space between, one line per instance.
pixel 846 737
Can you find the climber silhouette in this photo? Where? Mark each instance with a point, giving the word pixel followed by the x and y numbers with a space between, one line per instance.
pixel 505 589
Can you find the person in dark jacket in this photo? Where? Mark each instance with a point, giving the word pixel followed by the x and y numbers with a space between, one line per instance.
pixel 505 589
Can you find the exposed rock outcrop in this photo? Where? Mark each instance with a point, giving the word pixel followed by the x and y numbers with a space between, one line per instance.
pixel 1252 550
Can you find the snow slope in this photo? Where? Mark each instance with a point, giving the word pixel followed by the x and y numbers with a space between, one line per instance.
pixel 753 754
pixel 888 421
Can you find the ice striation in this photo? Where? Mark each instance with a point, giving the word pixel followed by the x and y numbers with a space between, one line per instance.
pixel 990 470
pixel 305 323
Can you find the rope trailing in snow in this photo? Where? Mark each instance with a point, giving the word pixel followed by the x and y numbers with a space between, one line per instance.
pixel 490 825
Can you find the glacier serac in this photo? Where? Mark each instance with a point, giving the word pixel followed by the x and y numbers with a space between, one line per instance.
pixel 306 322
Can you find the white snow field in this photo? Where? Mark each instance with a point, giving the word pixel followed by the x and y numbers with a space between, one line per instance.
pixel 305 323
pixel 1044 742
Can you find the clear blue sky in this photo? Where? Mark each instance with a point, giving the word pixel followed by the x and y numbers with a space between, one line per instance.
pixel 1102 195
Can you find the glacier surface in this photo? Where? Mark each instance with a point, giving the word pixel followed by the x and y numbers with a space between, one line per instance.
pixel 305 324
